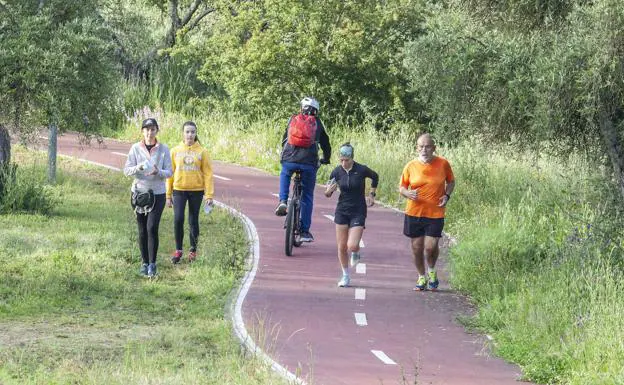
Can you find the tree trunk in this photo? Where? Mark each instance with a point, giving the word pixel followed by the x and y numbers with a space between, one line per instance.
pixel 613 146
pixel 52 153
pixel 5 146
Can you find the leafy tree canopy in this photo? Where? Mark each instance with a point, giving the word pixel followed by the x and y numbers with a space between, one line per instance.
pixel 270 53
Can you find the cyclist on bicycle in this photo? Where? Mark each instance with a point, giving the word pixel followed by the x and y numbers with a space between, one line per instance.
pixel 350 215
pixel 304 133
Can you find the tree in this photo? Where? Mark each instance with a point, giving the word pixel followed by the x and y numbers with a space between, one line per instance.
pixel 558 88
pixel 266 55
pixel 56 65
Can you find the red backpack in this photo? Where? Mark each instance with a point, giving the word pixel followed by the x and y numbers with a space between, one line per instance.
pixel 302 130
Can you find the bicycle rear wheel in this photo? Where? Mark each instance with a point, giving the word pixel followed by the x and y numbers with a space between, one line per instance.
pixel 297 232
pixel 291 216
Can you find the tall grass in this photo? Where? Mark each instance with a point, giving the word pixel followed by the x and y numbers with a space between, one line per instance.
pixel 73 308
pixel 540 240
pixel 23 189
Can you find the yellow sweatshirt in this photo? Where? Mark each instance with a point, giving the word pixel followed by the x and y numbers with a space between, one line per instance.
pixel 192 170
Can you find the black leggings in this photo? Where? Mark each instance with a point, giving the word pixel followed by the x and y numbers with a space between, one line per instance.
pixel 148 230
pixel 194 199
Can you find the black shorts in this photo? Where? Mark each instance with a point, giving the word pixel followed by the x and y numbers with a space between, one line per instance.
pixel 353 220
pixel 415 227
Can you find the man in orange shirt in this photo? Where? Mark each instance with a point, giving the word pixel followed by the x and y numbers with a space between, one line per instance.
pixel 427 182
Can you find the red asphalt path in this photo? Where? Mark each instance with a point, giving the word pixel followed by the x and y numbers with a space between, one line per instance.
pixel 294 312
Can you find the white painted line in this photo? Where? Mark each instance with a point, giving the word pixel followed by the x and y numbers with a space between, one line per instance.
pixel 220 177
pixel 118 153
pixel 383 357
pixel 360 268
pixel 360 294
pixel 360 319
pixel 275 195
pixel 362 243
pixel 99 164
pixel 330 217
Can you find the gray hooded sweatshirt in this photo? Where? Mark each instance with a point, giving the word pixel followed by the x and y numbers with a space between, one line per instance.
pixel 139 156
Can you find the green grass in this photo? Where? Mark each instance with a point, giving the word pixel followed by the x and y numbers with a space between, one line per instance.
pixel 540 242
pixel 73 308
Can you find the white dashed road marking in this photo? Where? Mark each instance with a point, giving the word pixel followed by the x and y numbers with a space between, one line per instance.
pixel 360 319
pixel 360 268
pixel 360 294
pixel 275 195
pixel 118 153
pixel 383 357
pixel 220 177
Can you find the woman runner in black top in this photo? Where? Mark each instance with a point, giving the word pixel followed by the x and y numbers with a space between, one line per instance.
pixel 350 215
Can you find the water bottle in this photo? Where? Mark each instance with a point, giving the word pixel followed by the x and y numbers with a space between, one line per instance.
pixel 208 208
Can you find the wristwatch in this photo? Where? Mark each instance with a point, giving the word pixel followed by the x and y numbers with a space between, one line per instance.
pixel 448 197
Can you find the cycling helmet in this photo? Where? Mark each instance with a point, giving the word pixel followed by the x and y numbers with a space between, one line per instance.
pixel 310 105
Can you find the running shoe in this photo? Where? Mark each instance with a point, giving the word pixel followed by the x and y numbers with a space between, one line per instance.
pixel 306 236
pixel 433 280
pixel 421 284
pixel 151 270
pixel 355 258
pixel 192 256
pixel 177 255
pixel 344 281
pixel 280 210
pixel 143 270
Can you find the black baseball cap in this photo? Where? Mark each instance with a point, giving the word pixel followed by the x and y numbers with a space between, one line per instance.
pixel 149 122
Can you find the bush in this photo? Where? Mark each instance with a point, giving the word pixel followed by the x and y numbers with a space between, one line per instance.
pixel 24 190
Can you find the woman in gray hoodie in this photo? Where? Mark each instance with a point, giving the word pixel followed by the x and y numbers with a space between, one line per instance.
pixel 149 162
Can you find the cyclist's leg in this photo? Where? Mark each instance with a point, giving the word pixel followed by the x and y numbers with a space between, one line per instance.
pixel 308 181
pixel 285 175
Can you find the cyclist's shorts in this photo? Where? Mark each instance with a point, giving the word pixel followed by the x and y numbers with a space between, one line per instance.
pixel 353 220
pixel 415 227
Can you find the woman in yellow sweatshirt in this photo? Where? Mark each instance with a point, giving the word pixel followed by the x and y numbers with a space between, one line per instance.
pixel 192 182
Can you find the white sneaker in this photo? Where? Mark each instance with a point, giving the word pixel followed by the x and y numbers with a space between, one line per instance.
pixel 344 281
pixel 355 258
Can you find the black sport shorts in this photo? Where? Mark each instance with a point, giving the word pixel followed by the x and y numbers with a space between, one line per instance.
pixel 415 227
pixel 353 220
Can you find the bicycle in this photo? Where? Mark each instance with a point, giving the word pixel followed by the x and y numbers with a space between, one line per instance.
pixel 292 223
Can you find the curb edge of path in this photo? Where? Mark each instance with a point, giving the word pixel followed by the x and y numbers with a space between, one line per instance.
pixel 236 302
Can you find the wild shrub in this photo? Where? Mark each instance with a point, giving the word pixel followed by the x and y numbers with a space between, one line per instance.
pixel 23 190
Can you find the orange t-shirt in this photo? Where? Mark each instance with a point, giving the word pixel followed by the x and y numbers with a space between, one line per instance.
pixel 430 179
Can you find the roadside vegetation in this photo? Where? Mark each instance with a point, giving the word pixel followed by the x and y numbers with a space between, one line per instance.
pixel 73 308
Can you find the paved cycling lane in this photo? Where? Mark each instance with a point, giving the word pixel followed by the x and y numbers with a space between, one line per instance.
pixel 378 331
